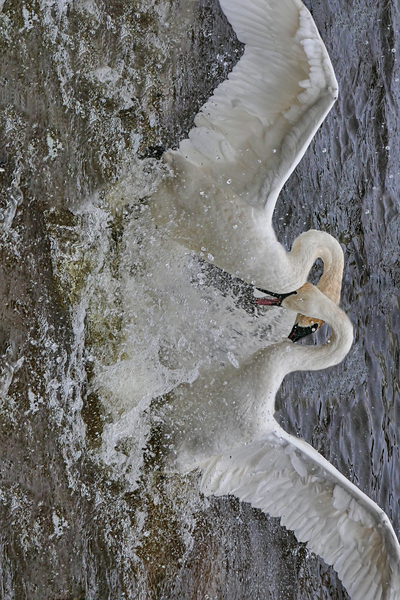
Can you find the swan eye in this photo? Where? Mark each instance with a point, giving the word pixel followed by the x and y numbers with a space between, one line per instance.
pixel 314 327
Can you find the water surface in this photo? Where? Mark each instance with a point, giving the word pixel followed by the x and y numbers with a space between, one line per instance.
pixel 100 316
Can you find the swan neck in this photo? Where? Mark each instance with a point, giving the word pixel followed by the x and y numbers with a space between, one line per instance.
pixel 332 352
pixel 315 244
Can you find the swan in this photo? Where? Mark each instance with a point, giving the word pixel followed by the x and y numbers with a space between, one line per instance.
pixel 224 424
pixel 224 180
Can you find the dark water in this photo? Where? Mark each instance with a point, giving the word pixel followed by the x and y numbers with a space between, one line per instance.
pixel 86 88
pixel 353 174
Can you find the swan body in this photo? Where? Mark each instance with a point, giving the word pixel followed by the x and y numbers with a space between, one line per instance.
pixel 224 423
pixel 247 139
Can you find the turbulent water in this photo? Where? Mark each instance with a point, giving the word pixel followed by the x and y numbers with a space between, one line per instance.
pixel 101 316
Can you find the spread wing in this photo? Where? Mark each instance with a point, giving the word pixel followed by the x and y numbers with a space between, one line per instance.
pixel 287 478
pixel 253 131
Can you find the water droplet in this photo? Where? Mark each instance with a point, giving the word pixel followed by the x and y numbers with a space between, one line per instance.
pixel 324 150
pixel 232 360
pixel 229 181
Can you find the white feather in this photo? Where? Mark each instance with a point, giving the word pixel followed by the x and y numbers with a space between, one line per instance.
pixel 247 139
pixel 341 524
pixel 278 473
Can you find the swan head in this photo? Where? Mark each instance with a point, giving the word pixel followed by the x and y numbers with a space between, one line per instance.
pixel 306 301
pixel 304 325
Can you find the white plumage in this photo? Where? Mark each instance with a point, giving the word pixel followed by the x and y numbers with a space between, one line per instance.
pixel 287 478
pixel 248 138
pixel 218 201
pixel 224 423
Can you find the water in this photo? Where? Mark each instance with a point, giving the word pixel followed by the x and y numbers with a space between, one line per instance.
pixel 101 315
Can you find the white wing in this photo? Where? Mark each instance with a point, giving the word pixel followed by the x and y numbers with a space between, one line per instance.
pixel 253 131
pixel 287 478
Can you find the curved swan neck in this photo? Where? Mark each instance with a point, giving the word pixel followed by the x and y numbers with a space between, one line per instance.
pixel 270 365
pixel 314 244
pixel 305 358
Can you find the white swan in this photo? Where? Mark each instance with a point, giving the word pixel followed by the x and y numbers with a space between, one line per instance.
pixel 247 140
pixel 224 424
